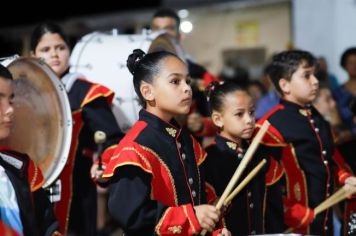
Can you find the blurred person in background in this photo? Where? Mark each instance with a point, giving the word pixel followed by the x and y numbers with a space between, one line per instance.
pixel 91 111
pixel 197 121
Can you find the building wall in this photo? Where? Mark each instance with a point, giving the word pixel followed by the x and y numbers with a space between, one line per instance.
pixel 326 28
pixel 237 27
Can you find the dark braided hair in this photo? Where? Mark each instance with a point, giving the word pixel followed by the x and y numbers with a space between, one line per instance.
pixel 216 93
pixel 144 67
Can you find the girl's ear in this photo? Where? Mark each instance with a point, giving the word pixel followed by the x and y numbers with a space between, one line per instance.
pixel 216 117
pixel 147 91
pixel 284 85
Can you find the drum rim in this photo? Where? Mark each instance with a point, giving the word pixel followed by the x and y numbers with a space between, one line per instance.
pixel 67 116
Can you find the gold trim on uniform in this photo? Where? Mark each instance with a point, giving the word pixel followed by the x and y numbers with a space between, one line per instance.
pixel 144 159
pixel 190 222
pixel 172 132
pixel 158 226
pixel 301 171
pixel 305 112
pixel 199 198
pixel 56 233
pixel 303 174
pixel 276 177
pixel 342 175
pixel 177 229
pixel 200 160
pixel 202 154
pixel 33 181
pixel 297 191
pixel 168 171
pixel 273 136
pixel 231 145
pixel 307 213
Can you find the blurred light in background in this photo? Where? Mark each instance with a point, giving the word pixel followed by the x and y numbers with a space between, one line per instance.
pixel 186 26
pixel 183 13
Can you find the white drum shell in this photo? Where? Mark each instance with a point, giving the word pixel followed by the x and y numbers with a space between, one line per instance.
pixel 101 58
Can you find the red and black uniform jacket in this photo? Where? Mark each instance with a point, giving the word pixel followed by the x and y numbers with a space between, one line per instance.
pixel 307 155
pixel 91 111
pixel 36 211
pixel 155 179
pixel 245 215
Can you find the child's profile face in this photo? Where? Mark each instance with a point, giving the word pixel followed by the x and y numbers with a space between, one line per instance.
pixel 237 116
pixel 171 88
pixel 303 85
pixel 6 108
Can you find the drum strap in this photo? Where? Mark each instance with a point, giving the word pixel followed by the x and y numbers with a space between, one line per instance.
pixel 12 161
pixel 69 79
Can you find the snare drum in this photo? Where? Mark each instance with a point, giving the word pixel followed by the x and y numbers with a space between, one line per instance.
pixel 101 58
pixel 42 119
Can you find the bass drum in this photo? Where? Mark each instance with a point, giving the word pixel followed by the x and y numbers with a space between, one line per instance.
pixel 43 121
pixel 101 58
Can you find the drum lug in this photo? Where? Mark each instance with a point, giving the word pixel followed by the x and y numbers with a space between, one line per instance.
pixel 54 191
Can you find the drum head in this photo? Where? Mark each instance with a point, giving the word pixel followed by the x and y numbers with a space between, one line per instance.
pixel 43 122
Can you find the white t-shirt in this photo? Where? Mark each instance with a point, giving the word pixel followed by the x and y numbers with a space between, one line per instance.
pixel 9 209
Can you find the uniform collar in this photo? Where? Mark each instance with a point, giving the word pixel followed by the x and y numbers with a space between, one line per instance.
pixel 303 110
pixel 171 129
pixel 229 145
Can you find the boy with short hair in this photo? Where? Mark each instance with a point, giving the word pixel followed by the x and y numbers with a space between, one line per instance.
pixel 301 140
pixel 24 206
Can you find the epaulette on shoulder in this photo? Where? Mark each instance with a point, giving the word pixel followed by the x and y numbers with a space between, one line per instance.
pixel 96 91
pixel 272 137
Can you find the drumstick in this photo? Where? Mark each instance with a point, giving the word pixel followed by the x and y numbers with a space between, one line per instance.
pixel 338 196
pixel 332 200
pixel 100 138
pixel 249 153
pixel 244 182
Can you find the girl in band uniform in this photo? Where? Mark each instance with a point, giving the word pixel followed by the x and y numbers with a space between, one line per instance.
pixel 156 187
pixel 233 113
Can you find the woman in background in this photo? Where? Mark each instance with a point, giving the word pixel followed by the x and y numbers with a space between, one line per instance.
pixel 91 110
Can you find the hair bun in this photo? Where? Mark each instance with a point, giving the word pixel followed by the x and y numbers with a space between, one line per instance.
pixel 134 59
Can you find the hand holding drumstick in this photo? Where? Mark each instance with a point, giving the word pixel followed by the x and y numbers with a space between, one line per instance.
pixel 97 169
pixel 248 156
pixel 345 192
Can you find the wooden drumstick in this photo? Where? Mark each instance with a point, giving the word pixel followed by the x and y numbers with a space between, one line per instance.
pixel 245 181
pixel 337 197
pixel 100 138
pixel 245 160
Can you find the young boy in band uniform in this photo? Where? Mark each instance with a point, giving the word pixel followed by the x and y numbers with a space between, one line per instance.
pixel 305 150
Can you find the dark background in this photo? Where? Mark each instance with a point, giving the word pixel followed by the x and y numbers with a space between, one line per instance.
pixel 18 13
